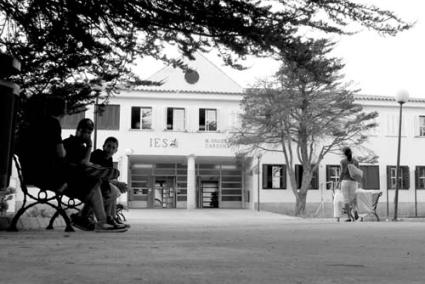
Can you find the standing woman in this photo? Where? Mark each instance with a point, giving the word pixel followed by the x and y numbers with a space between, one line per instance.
pixel 348 184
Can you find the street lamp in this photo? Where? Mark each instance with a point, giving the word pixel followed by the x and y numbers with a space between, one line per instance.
pixel 401 97
pixel 258 180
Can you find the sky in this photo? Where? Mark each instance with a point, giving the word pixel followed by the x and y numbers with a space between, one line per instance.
pixel 377 65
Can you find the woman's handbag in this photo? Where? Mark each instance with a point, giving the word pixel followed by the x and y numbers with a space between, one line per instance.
pixel 355 172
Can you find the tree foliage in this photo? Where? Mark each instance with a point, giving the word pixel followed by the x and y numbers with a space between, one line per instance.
pixel 305 112
pixel 70 45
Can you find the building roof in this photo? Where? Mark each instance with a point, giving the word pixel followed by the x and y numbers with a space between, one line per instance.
pixel 385 98
pixel 206 77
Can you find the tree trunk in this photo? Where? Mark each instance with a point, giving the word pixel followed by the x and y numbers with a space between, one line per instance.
pixel 300 203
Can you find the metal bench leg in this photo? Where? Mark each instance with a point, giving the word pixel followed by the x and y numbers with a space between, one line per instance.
pixel 376 215
pixel 21 211
pixel 52 220
pixel 68 225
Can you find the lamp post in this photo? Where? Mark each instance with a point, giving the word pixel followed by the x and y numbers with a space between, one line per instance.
pixel 401 97
pixel 258 180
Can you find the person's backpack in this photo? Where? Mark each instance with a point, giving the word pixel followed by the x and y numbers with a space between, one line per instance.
pixel 355 172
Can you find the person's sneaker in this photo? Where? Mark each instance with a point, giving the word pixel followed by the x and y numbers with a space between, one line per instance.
pixel 106 228
pixel 118 220
pixel 112 222
pixel 81 223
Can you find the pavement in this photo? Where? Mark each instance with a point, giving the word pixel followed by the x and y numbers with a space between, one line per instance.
pixel 219 246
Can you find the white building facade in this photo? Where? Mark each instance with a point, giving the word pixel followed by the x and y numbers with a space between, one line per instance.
pixel 173 151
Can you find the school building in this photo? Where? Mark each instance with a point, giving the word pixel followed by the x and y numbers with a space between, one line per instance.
pixel 173 151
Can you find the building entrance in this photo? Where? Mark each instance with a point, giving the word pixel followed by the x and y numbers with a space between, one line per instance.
pixel 164 185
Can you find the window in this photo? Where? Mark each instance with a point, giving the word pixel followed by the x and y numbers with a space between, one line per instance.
pixel 108 117
pixel 421 125
pixel 370 177
pixel 141 118
pixel 332 175
pixel 274 177
pixel 71 121
pixel 207 119
pixel 175 119
pixel 403 177
pixel 314 184
pixel 420 177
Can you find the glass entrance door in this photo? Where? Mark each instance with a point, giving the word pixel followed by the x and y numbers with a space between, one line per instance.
pixel 163 192
pixel 209 194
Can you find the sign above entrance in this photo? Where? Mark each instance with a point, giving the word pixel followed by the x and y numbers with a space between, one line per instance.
pixel 163 142
pixel 216 143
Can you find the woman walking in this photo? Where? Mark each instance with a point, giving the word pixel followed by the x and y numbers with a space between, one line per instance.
pixel 348 184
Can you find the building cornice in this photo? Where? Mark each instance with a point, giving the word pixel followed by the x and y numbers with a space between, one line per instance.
pixel 359 97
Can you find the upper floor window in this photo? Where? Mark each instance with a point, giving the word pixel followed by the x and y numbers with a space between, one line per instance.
pixel 421 125
pixel 332 175
pixel 314 184
pixel 370 177
pixel 207 119
pixel 175 119
pixel 420 177
pixel 403 177
pixel 274 177
pixel 71 121
pixel 141 118
pixel 108 117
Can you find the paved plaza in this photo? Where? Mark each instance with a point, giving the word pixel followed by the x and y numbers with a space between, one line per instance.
pixel 219 246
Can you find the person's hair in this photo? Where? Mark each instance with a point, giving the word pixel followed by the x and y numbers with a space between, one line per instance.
pixel 85 123
pixel 111 139
pixel 347 152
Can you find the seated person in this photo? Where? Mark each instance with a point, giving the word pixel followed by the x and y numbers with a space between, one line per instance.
pixel 78 150
pixel 39 143
pixel 42 155
pixel 111 189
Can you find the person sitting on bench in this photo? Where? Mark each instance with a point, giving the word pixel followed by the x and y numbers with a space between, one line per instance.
pixel 44 157
pixel 111 189
pixel 78 150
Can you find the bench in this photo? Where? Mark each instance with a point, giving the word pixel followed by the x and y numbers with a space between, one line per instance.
pixel 55 200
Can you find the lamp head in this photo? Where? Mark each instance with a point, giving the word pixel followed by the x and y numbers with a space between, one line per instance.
pixel 129 151
pixel 402 96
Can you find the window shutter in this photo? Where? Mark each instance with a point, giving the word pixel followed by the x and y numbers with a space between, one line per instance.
pixel 406 177
pixel 370 177
pixel 416 126
pixel 389 177
pixel 374 177
pixel 71 121
pixel 416 177
pixel 169 118
pixel 283 176
pixel 186 120
pixel 221 120
pixel 328 174
pixel 201 119
pixel 135 117
pixel 108 117
pixel 265 175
